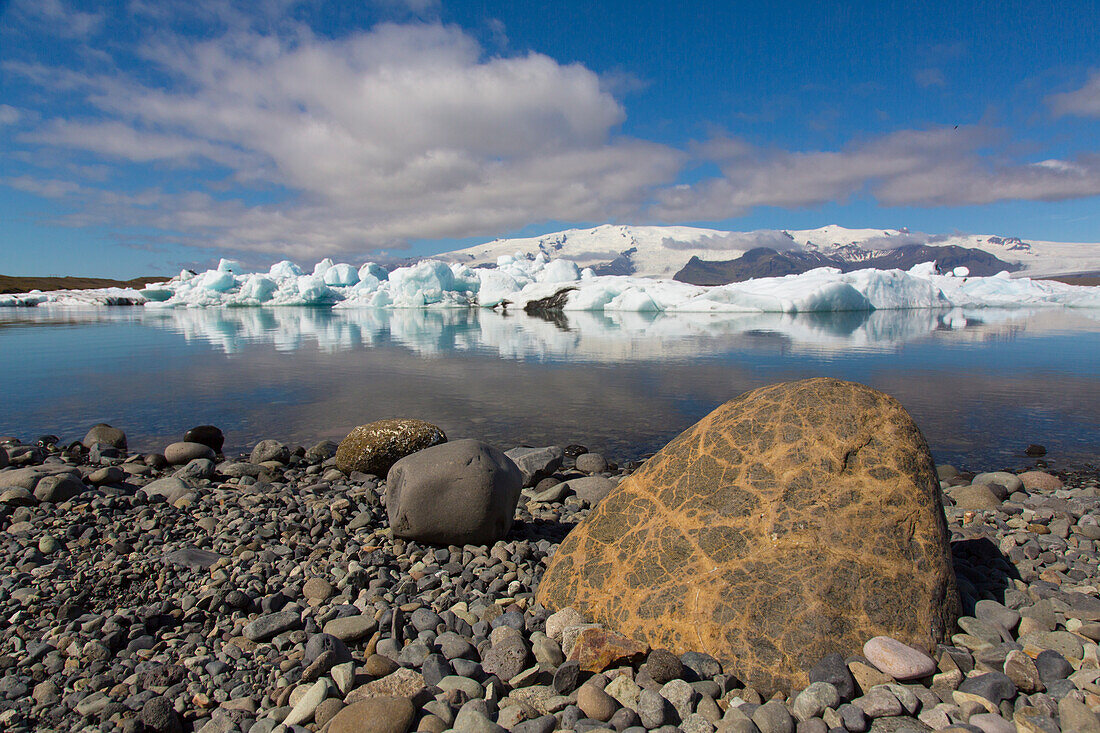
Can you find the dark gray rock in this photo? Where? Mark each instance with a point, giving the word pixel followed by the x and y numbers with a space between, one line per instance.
pixel 208 435
pixel 536 463
pixel 104 434
pixel 703 665
pixel 272 624
pixel 1052 666
pixel 171 488
pixel 832 669
pixel 566 677
pixel 318 644
pixel 269 450
pixel 592 489
pixel 459 493
pixel 159 716
pixel 58 487
pixel 663 666
pixel 195 558
pixel 508 657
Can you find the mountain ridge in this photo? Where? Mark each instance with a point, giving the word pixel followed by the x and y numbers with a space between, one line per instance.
pixel 660 251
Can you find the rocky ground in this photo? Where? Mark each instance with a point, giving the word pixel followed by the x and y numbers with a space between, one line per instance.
pixel 266 593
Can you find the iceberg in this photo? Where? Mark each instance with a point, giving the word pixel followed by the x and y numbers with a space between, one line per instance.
pixel 516 281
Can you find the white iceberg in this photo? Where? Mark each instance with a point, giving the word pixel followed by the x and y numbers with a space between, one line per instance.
pixel 518 280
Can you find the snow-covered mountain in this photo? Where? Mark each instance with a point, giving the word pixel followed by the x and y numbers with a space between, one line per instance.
pixel 659 251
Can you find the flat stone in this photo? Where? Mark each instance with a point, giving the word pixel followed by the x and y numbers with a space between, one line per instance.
pixel 271 625
pixel 990 723
pixel 900 661
pixel 878 702
pixel 1040 481
pixel 402 682
pixel 351 628
pixel 383 714
pixel 536 463
pixel 195 558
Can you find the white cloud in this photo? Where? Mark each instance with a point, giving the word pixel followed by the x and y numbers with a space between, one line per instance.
pixel 59 18
pixel 403 132
pixel 1083 102
pixel 938 167
pixel 930 77
pixel 414 131
pixel 9 115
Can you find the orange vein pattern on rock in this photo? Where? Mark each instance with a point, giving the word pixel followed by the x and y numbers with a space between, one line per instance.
pixel 795 521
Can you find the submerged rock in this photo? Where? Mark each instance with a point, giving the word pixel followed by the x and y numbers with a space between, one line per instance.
pixel 795 521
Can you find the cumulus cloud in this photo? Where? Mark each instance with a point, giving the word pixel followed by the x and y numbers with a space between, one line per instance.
pixel 402 132
pixel 266 137
pixel 1083 102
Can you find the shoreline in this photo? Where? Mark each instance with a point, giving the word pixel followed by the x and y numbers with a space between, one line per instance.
pixel 227 595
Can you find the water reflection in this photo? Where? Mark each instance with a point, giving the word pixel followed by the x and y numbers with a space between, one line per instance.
pixel 589 336
pixel 981 384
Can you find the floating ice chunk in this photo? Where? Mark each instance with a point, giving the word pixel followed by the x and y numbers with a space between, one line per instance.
pixel 374 270
pixel 284 269
pixel 322 267
pixel 558 271
pixel 218 280
pixel 495 286
pixel 924 269
pixel 233 266
pixel 312 289
pixel 426 283
pixel 961 271
pixel 259 288
pixel 342 275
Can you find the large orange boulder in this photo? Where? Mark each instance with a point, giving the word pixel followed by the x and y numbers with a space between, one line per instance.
pixel 795 521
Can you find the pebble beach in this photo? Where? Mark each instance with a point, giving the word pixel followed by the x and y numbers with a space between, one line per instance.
pixel 173 588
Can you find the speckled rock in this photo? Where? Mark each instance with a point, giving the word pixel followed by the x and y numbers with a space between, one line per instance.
pixel 375 447
pixel 746 536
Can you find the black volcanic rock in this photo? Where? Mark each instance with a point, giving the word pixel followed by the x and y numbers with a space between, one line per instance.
pixel 767 262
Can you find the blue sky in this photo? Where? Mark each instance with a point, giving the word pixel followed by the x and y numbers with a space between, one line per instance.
pixel 139 137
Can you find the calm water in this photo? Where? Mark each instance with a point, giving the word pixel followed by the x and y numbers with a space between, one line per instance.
pixel 981 384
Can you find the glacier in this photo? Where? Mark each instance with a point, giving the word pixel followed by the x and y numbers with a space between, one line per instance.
pixel 519 280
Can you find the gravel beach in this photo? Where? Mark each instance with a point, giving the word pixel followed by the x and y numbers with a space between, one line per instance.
pixel 184 590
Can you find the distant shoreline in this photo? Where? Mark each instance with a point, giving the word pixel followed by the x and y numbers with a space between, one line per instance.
pixel 10 285
pixel 16 284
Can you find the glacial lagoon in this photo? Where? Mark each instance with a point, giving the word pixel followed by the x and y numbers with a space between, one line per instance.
pixel 982 384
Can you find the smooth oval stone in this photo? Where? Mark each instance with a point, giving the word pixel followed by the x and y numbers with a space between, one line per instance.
pixel 184 452
pixel 900 661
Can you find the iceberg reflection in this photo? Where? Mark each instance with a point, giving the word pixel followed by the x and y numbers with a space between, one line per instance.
pixel 597 336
